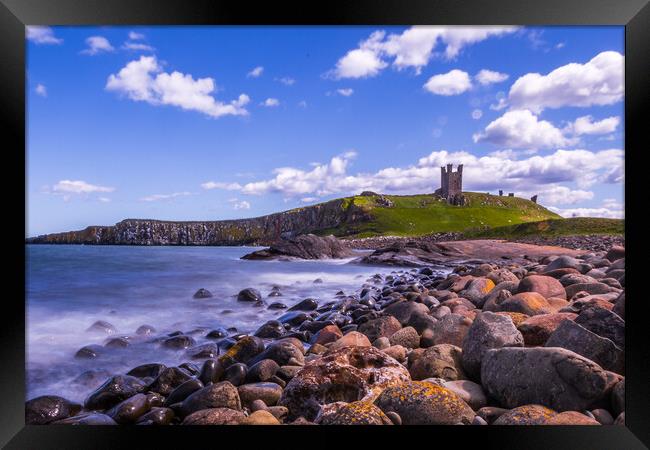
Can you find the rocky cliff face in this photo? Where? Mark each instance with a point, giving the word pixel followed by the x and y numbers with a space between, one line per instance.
pixel 255 231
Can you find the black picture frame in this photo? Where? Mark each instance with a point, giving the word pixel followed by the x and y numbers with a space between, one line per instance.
pixel 15 14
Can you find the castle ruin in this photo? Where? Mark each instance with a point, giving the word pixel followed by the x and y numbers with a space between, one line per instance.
pixel 451 184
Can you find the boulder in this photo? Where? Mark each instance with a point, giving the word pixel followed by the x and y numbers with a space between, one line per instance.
pixel 308 304
pixel 129 410
pixel 305 246
pixel 404 310
pixel 348 374
pixel 578 339
pixel 353 338
pixel 157 416
pixel 168 380
pixel 590 288
pixel 327 334
pixel 382 327
pixel 269 393
pixel 406 337
pixel 488 331
pixel 260 417
pixel 355 413
pixel 264 370
pixel 546 286
pixel 554 377
pixel 451 329
pixel 529 303
pixel 537 329
pixel 440 361
pixel 49 408
pixel 571 418
pixel 243 351
pixel 219 395
pixel 249 295
pixel 91 418
pixel 282 352
pixel 604 323
pixel 615 253
pixel 215 416
pixel 526 415
pixel 471 393
pixel 113 391
pixel 423 403
pixel 202 293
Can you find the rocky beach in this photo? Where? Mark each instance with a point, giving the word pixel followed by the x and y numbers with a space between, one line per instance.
pixel 463 332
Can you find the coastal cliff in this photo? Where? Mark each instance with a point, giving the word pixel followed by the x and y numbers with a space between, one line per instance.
pixel 254 231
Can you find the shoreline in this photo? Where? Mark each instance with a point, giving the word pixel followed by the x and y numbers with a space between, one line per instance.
pixel 410 347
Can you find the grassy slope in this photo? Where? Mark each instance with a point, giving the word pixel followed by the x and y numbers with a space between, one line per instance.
pixel 414 215
pixel 554 227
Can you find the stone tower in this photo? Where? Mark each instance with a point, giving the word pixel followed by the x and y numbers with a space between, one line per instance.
pixel 451 183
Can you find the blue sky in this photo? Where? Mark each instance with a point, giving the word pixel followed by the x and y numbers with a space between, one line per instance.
pixel 208 123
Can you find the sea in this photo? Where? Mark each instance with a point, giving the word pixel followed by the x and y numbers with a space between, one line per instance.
pixel 69 287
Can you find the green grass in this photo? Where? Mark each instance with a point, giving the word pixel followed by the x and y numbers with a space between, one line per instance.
pixel 554 227
pixel 414 215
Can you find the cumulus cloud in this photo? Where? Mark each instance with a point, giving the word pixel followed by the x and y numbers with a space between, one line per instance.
pixel 104 200
pixel 596 82
pixel 135 36
pixel 144 80
pixel 486 77
pixel 453 82
pixel 243 204
pixel 287 81
pixel 256 72
pixel 586 125
pixel 96 45
pixel 137 47
pixel 522 129
pixel 546 175
pixel 271 102
pixel 41 90
pixel 68 188
pixel 346 92
pixel 413 48
pixel 610 208
pixel 158 197
pixel 42 35
pixel 220 185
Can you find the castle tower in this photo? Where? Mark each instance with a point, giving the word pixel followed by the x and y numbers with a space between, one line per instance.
pixel 451 183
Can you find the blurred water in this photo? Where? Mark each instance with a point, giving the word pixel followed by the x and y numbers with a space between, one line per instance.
pixel 71 286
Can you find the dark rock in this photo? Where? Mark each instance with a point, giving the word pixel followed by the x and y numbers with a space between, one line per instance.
pixel 578 339
pixel 537 329
pixel 49 408
pixel 488 331
pixel 423 403
pixel 203 351
pixel 281 352
pixel 168 380
pixel 249 295
pixel 129 410
pixel 355 413
pixel 269 393
pixel 526 415
pixel 190 368
pixel 179 342
pixel 236 374
pixel 406 337
pixel 305 246
pixel 89 352
pixel 92 418
pixel 293 318
pixel 308 304
pixel 277 305
pixel 271 329
pixel 202 293
pixel 211 372
pixel 219 395
pixel 440 361
pixel 604 323
pixel 546 286
pixel 215 416
pixel 157 416
pixel 618 397
pixel 549 376
pixel 183 391
pixel 243 351
pixel 217 334
pixel 102 326
pixel 145 330
pixel 147 370
pixel 381 327
pixel 262 371
pixel 113 391
pixel 117 342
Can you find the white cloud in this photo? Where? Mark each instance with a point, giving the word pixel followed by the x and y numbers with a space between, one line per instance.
pixel 522 129
pixel 219 185
pixel 137 46
pixel 453 82
pixel 78 187
pixel 302 103
pixel 41 90
pixel 240 204
pixel 270 102
pixel 543 175
pixel 97 44
pixel 287 81
pixel 256 72
pixel 157 197
pixel 610 208
pixel 104 200
pixel 346 92
pixel 136 80
pixel 477 114
pixel 308 199
pixel 135 36
pixel 486 77
pixel 597 82
pixel 42 35
pixel 586 125
pixel 413 48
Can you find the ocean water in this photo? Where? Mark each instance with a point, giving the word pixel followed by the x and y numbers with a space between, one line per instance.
pixel 69 287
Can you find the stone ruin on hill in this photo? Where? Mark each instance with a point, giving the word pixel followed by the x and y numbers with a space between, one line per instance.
pixel 451 185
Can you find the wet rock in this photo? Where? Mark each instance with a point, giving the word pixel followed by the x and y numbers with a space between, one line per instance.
pixel 211 372
pixel 102 326
pixel 145 330
pixel 179 342
pixel 526 415
pixel 304 246
pixel 451 329
pixel 269 393
pixel 604 323
pixel 243 351
pixel 49 408
pixel 147 370
pixel 203 351
pixel 157 416
pixel 282 352
pixel 271 329
pixel 277 305
pixel 308 304
pixel 406 337
pixel 202 293
pixel 347 374
pixel 550 376
pixel 578 339
pixel 89 352
pixel 439 361
pixel 236 374
pixel 219 395
pixel 546 286
pixel 537 329
pixel 488 331
pixel 215 416
pixel 113 391
pixel 217 334
pixel 490 413
pixel 249 295
pixel 293 318
pixel 423 403
pixel 260 418
pixel 93 378
pixel 381 327
pixel 404 310
pixel 355 413
pixel 353 338
pixel 117 342
pixel 262 371
pixel 470 392
pixel 168 380
pixel 92 418
pixel 529 303
pixel 183 391
pixel 129 410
